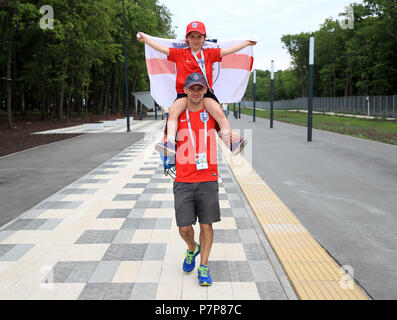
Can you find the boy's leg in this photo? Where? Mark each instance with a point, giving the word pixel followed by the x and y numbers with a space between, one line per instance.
pixel 229 138
pixel 172 121
pixel 167 146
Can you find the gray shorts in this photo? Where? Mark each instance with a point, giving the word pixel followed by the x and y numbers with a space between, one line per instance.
pixel 196 200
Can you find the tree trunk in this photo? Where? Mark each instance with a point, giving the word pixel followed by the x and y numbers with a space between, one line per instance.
pixel 105 106
pixel 69 105
pixel 8 73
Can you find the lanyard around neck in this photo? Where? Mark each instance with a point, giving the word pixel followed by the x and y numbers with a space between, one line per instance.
pixel 191 132
pixel 201 63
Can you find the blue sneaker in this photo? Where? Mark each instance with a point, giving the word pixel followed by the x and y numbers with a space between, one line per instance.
pixel 166 148
pixel 238 146
pixel 204 276
pixel 190 260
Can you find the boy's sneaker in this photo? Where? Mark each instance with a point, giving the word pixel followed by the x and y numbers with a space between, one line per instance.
pixel 166 148
pixel 204 276
pixel 238 146
pixel 190 260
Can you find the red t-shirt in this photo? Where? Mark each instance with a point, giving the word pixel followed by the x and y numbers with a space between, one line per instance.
pixel 186 170
pixel 187 64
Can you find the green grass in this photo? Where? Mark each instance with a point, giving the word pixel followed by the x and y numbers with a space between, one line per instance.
pixel 376 130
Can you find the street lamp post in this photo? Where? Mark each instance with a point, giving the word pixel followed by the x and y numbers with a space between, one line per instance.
pixel 254 95
pixel 310 104
pixel 126 74
pixel 271 94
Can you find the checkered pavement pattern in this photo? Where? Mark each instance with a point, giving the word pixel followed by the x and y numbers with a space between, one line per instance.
pixel 112 235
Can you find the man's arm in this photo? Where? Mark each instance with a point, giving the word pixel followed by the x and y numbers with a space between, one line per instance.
pixel 155 45
pixel 237 47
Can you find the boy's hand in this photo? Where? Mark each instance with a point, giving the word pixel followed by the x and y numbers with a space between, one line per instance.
pixel 141 37
pixel 251 42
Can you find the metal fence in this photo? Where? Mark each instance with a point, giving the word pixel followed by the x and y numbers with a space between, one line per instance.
pixel 378 106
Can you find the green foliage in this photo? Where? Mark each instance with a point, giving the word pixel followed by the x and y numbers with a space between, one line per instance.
pixel 81 57
pixel 358 61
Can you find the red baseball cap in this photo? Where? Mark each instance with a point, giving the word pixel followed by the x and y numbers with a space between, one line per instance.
pixel 196 26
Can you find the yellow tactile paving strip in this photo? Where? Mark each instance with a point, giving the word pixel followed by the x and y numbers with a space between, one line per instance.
pixel 312 272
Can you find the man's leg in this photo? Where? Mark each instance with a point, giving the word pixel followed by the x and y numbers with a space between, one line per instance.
pixel 187 234
pixel 206 239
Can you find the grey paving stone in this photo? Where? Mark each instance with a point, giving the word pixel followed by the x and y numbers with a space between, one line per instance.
pixel 219 271
pixel 135 185
pixel 60 205
pixel 82 272
pixel 148 169
pixel 236 204
pixel 26 224
pixel 154 191
pixel 86 181
pixel 114 213
pixel 248 236
pixel 163 180
pixel 136 213
pixel 105 271
pixel 124 236
pixel 93 291
pixel 255 251
pixel 32 213
pixel 223 196
pixel 4 248
pixel 50 224
pixel 155 252
pixel 126 252
pixel 131 224
pixel 78 191
pixel 142 176
pixel 144 197
pixel 97 236
pixel 147 223
pixel 271 290
pixel 147 204
pixel 102 173
pixel 61 271
pixel 239 212
pixel 226 236
pixel 125 197
pixel 226 212
pixel 243 223
pixel 118 291
pixel 240 271
pixel 144 291
pixel 167 204
pixel 107 166
pixel 3 236
pixel 233 196
pixel 163 223
pixel 263 271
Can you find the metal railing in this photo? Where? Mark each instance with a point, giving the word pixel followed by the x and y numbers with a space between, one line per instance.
pixel 377 106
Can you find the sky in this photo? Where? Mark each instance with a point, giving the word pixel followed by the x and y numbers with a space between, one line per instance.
pixel 267 20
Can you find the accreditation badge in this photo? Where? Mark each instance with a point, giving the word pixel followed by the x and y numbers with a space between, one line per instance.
pixel 201 161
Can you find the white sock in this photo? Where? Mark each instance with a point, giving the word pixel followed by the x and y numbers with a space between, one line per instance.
pixel 171 139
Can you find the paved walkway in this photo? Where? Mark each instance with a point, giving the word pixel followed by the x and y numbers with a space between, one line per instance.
pixel 111 234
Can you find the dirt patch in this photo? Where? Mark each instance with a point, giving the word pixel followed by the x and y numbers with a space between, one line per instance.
pixel 20 136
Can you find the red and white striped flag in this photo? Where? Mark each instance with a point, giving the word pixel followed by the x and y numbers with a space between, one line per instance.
pixel 230 77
